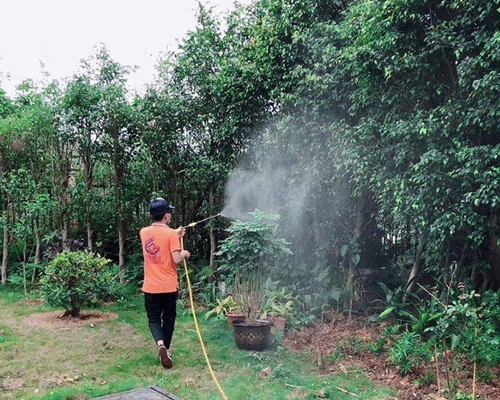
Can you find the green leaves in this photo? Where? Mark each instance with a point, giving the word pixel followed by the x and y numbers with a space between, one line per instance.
pixel 353 250
pixel 252 247
pixel 397 100
pixel 248 256
pixel 76 279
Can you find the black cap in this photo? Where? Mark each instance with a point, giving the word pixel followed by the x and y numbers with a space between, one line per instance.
pixel 160 206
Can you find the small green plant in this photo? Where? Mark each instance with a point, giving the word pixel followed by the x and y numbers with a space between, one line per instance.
pixel 377 347
pixel 224 306
pixel 402 352
pixel 463 396
pixel 5 333
pixel 426 380
pixel 395 303
pixel 485 375
pixel 337 354
pixel 390 331
pixel 76 279
pixel 280 371
pixel 281 303
pixel 356 345
pixel 204 285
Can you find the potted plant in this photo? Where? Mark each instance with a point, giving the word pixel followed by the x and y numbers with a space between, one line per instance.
pixel 280 307
pixel 247 257
pixel 228 307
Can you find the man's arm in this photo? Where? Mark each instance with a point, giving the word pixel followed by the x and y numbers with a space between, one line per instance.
pixel 179 255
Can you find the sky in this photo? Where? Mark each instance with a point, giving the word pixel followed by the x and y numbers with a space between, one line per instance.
pixel 60 33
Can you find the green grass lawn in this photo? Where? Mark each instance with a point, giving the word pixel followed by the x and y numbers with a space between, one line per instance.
pixel 89 361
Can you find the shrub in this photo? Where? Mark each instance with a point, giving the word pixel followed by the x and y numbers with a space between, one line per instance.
pixel 247 257
pixel 76 279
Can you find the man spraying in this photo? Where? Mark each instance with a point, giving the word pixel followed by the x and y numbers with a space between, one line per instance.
pixel 162 252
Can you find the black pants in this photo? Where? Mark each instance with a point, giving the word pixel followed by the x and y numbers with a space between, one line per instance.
pixel 161 309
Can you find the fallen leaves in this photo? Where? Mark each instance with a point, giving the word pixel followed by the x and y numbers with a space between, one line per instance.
pixel 12 383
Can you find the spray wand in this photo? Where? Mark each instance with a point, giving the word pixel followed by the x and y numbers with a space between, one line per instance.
pixel 193 224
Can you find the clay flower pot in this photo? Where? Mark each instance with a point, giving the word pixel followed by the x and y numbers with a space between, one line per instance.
pixel 233 316
pixel 279 323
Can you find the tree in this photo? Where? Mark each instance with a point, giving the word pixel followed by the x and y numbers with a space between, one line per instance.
pixel 214 111
pixel 411 72
pixel 8 149
pixel 118 129
pixel 27 185
pixel 81 113
pixel 76 279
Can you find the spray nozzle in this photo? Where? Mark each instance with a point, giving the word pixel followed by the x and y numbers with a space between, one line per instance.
pixel 193 224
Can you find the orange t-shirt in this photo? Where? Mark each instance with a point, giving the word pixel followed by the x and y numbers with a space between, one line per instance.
pixel 160 270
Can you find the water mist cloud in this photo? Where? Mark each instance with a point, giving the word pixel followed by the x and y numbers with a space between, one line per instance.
pixel 247 191
pixel 268 190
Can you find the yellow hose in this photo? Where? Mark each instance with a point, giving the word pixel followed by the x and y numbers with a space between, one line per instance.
pixel 198 327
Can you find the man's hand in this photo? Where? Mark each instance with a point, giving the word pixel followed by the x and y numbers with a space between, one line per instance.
pixel 181 231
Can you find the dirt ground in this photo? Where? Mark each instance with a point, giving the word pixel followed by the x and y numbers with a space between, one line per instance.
pixel 55 320
pixel 329 339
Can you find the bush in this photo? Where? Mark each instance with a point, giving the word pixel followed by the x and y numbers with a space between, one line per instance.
pixel 76 279
pixel 247 258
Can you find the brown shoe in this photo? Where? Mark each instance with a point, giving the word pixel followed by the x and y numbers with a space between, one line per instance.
pixel 165 359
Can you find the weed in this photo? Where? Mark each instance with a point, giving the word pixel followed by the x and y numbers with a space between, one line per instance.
pixel 426 380
pixel 402 353
pixel 391 331
pixel 280 371
pixel 463 396
pixel 337 355
pixel 356 345
pixel 278 337
pixel 377 347
pixel 4 331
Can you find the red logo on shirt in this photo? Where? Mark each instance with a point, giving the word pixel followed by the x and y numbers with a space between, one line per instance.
pixel 151 247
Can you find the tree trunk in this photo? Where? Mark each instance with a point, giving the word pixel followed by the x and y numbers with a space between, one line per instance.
pixel 319 237
pixel 63 200
pixel 61 169
pixel 5 254
pixel 64 226
pixel 213 244
pixel 38 250
pixel 119 179
pixel 417 265
pixel 89 182
pixel 353 268
pixel 90 244
pixel 121 251
pixel 38 242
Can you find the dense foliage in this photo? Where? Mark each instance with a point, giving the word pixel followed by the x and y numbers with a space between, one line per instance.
pixel 382 119
pixel 75 279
